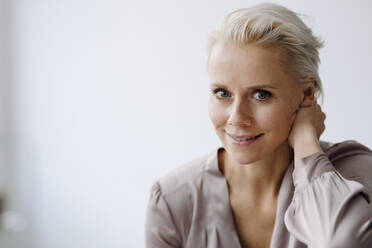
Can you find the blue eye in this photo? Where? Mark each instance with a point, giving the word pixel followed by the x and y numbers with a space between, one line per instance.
pixel 262 95
pixel 221 93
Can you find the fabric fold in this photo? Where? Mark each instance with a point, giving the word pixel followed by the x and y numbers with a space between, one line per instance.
pixel 327 209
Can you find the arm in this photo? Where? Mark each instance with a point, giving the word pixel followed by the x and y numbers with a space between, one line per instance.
pixel 160 230
pixel 327 209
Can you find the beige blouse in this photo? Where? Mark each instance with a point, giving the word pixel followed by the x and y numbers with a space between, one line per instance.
pixel 323 202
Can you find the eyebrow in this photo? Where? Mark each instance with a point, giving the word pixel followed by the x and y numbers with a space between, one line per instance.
pixel 260 86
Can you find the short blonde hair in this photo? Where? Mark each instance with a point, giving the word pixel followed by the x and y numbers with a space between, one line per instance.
pixel 272 24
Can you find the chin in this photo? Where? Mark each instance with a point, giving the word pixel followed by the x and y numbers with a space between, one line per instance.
pixel 244 157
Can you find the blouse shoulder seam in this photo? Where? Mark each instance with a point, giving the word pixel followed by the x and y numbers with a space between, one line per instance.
pixel 170 191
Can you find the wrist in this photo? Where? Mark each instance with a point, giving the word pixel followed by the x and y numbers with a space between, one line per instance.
pixel 306 145
pixel 307 136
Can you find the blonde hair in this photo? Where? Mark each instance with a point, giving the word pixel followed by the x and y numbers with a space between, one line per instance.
pixel 272 24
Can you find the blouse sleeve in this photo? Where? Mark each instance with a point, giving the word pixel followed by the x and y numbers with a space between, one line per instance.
pixel 160 230
pixel 327 209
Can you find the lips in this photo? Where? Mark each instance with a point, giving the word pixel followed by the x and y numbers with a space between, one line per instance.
pixel 243 139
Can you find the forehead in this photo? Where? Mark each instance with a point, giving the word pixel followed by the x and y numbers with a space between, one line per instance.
pixel 249 64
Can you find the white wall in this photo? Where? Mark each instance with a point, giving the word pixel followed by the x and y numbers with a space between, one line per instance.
pixel 2 100
pixel 107 96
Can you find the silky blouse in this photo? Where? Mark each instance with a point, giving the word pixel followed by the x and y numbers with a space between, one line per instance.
pixel 323 202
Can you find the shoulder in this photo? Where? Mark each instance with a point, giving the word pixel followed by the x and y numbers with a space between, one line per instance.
pixel 344 149
pixel 351 159
pixel 187 174
pixel 181 187
pixel 173 196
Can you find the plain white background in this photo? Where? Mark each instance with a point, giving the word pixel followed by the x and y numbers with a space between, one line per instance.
pixel 104 97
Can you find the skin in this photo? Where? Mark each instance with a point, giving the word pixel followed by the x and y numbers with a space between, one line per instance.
pixel 285 113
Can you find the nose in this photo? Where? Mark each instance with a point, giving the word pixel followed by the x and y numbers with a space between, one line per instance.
pixel 241 114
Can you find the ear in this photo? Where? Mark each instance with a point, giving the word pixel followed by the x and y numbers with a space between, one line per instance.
pixel 308 91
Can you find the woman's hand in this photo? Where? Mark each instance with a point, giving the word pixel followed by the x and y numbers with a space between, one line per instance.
pixel 306 130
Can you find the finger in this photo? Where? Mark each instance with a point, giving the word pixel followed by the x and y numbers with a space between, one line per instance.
pixel 323 128
pixel 318 106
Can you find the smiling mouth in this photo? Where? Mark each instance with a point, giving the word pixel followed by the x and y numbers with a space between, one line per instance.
pixel 243 140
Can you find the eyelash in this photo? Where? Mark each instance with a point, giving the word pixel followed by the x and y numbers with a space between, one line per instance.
pixel 268 94
pixel 218 90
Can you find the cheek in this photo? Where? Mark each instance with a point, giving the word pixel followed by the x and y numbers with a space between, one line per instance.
pixel 277 120
pixel 216 113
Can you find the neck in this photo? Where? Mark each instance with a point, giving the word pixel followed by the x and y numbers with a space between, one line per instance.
pixel 257 180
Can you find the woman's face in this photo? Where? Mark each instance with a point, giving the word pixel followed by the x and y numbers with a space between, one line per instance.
pixel 253 100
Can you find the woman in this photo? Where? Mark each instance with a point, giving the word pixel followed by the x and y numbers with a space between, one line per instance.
pixel 272 183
